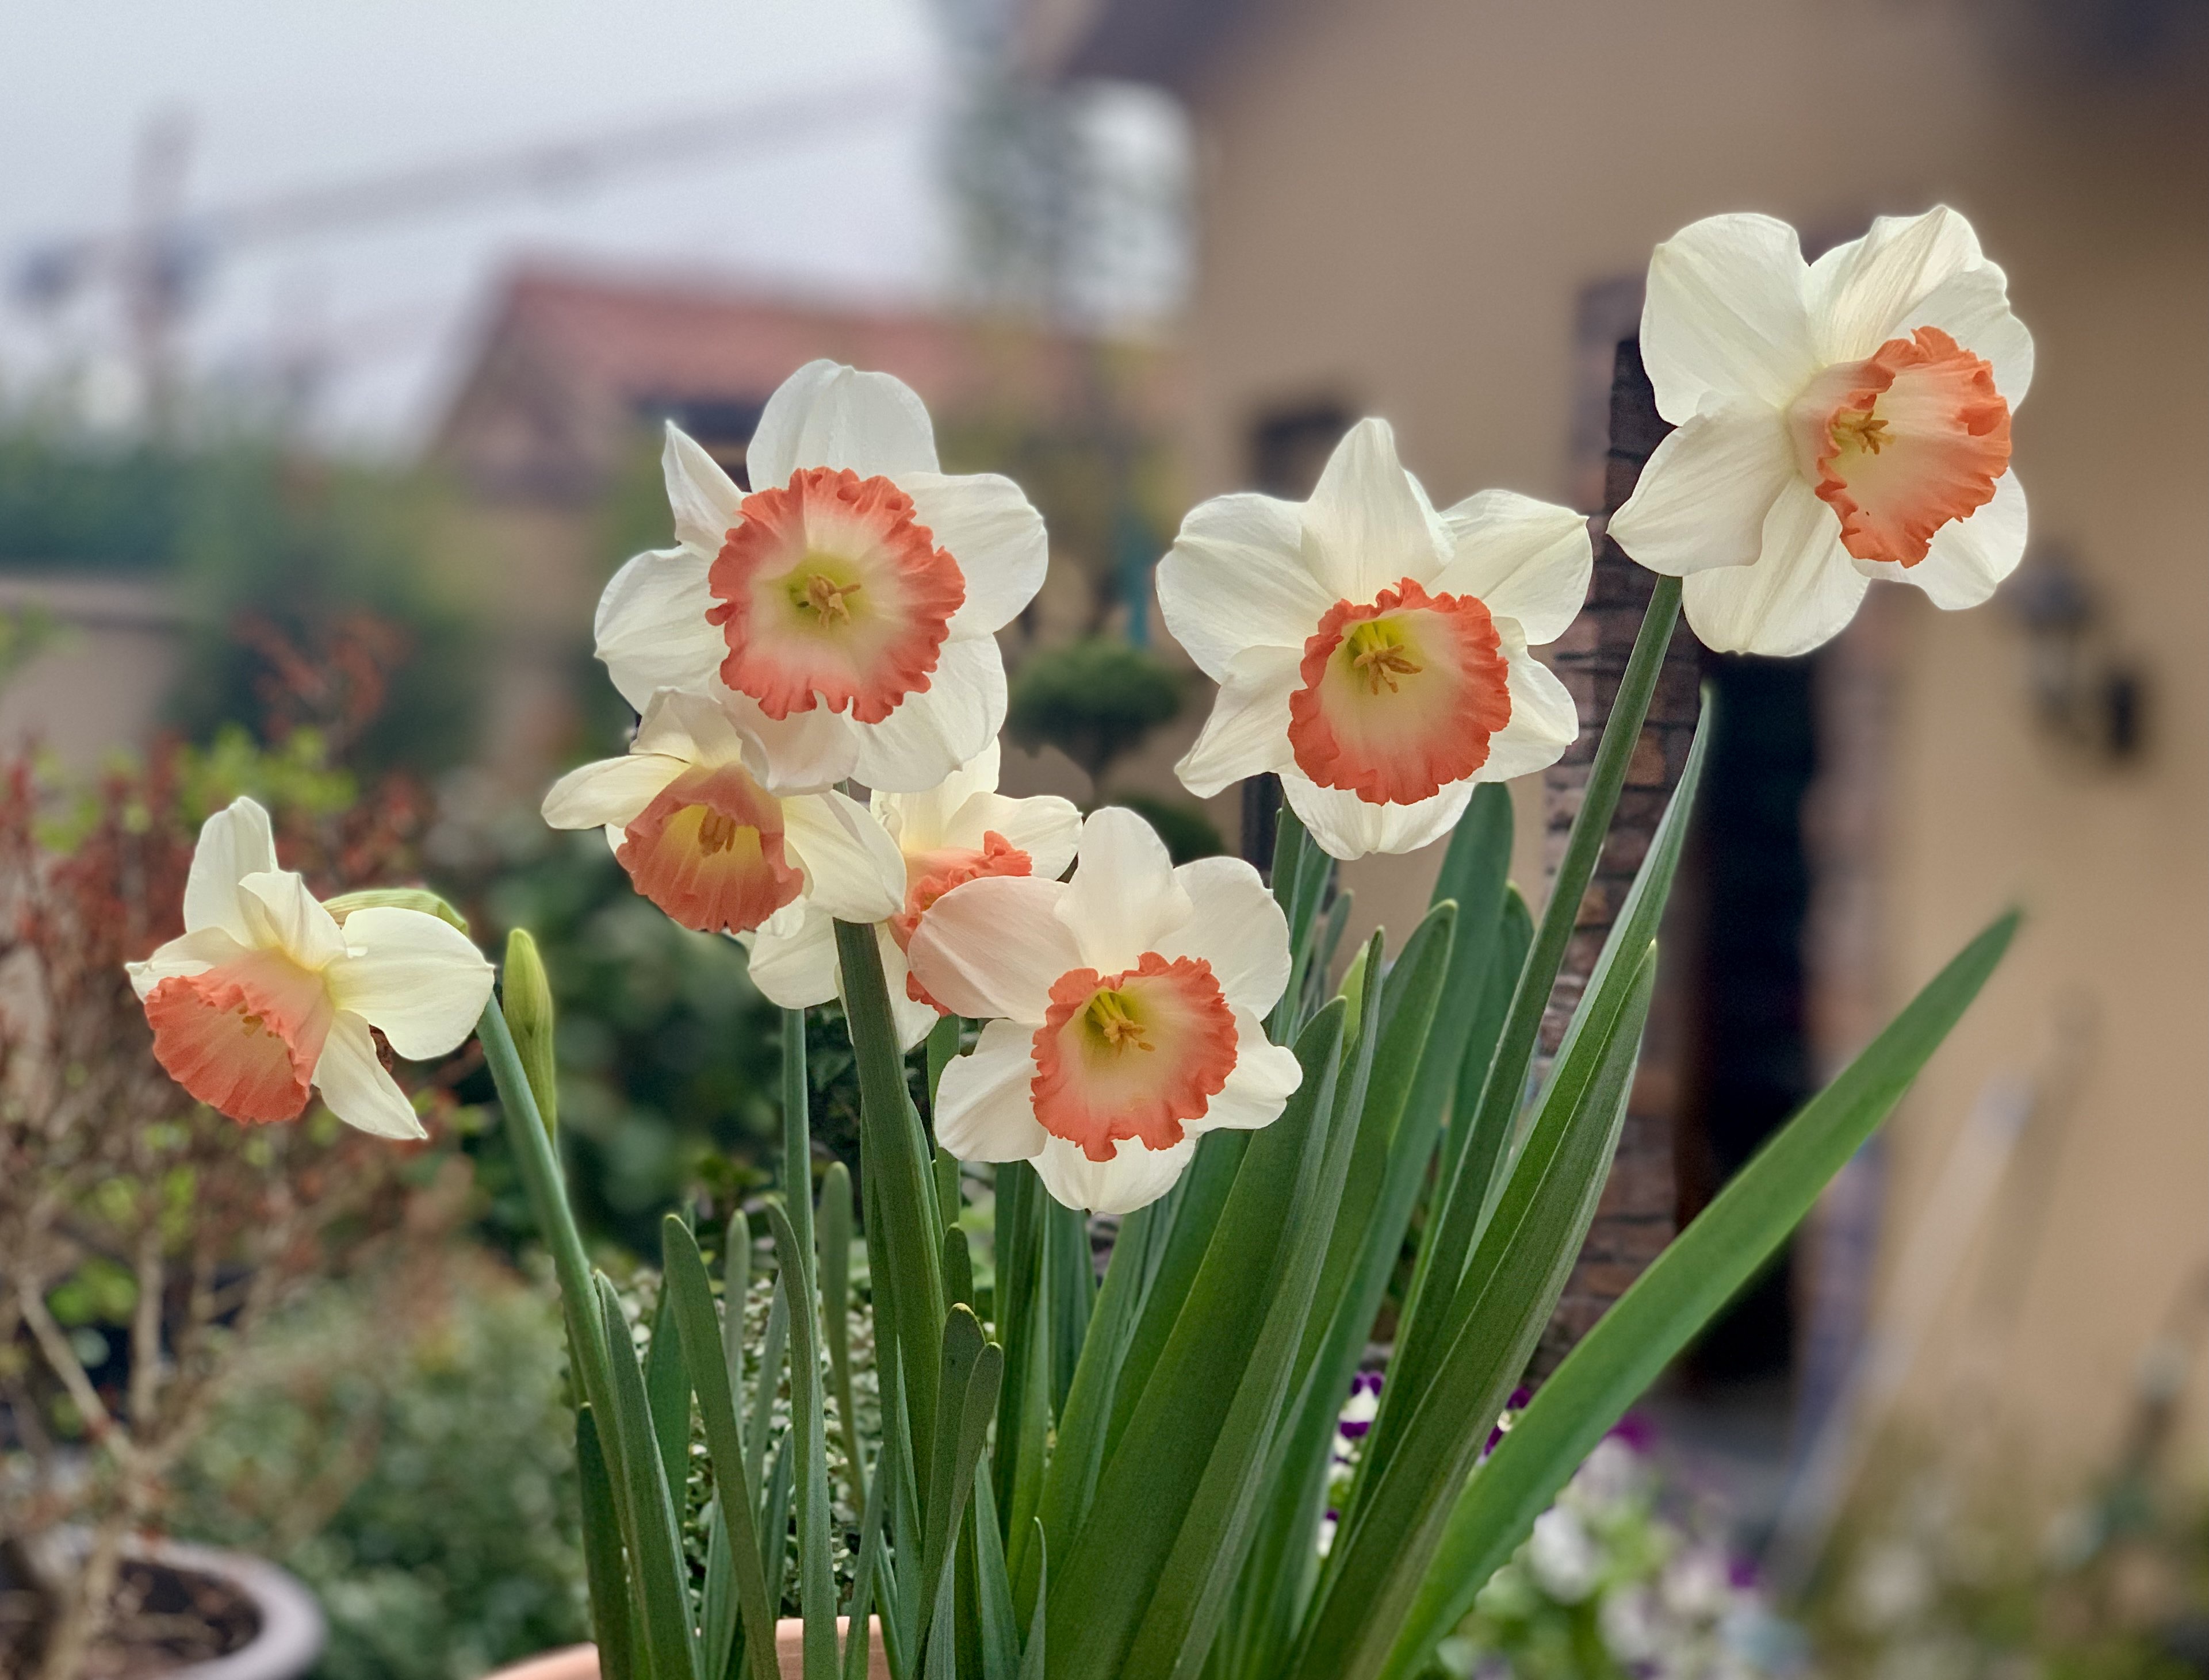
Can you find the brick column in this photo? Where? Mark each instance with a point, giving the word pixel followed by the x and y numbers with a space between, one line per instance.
pixel 1635 1218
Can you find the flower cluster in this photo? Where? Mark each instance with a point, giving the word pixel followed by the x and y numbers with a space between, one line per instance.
pixel 834 625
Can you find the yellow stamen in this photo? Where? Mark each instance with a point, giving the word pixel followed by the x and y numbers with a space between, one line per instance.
pixel 824 597
pixel 717 832
pixel 1378 657
pixel 1109 1016
pixel 1857 427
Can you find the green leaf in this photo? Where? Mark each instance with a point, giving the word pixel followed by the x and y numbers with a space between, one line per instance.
pixel 1523 1260
pixel 669 1630
pixel 1032 1658
pixel 1451 1278
pixel 1514 936
pixel 1151 1476
pixel 1069 1286
pixel 1458 1207
pixel 1679 1293
pixel 690 1296
pixel 868 1572
pixel 668 1394
pixel 834 1235
pixel 1017 1325
pixel 958 1269
pixel 1393 1143
pixel 817 1567
pixel 603 1566
pixel 761 1426
pixel 1191 1598
pixel 971 1371
pixel 895 1163
pixel 1000 1628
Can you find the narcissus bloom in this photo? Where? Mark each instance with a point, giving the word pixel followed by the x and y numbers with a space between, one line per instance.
pixel 268 994
pixel 962 830
pixel 1372 651
pixel 1126 1007
pixel 1839 421
pixel 724 816
pixel 855 580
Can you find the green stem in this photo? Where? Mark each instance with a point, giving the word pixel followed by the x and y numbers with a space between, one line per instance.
pixel 797 1132
pixel 1457 1217
pixel 895 1169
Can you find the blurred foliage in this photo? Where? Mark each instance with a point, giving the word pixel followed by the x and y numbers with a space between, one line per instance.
pixel 1181 823
pixel 1095 700
pixel 669 1057
pixel 417 1475
pixel 274 557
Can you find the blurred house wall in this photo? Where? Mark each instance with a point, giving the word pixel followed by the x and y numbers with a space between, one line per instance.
pixel 109 649
pixel 1403 203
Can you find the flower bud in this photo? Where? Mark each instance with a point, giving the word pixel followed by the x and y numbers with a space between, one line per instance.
pixel 527 997
pixel 397 897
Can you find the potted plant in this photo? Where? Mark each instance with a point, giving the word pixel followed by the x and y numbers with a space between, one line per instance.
pixel 1072 1478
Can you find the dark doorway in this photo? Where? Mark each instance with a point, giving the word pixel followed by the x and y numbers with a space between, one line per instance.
pixel 1748 1054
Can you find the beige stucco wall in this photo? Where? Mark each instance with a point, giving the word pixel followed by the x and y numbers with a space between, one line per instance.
pixel 1400 202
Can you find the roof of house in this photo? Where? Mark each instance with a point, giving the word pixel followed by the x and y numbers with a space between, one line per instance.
pixel 570 360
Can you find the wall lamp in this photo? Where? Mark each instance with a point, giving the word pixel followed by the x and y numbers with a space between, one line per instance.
pixel 2084 693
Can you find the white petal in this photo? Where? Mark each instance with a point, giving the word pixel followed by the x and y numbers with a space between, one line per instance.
pixel 1043 825
pixel 994 534
pixel 828 415
pixel 419 979
pixel 699 727
pixel 1524 559
pixel 1725 315
pixel 1347 826
pixel 1802 593
pixel 794 969
pixel 1134 1177
pixel 915 1020
pixel 1704 495
pixel 703 498
pixel 234 842
pixel 1247 731
pixel 995 947
pixel 1235 925
pixel 280 914
pixel 1972 308
pixel 1237 577
pixel 1265 1077
pixel 853 869
pixel 983 1111
pixel 801 754
pixel 1544 722
pixel 1968 558
pixel 1367 520
pixel 353 1082
pixel 651 628
pixel 932 733
pixel 921 822
pixel 1124 897
pixel 197 952
pixel 612 792
pixel 1866 292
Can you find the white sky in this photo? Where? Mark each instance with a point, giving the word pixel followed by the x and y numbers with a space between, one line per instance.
pixel 289 94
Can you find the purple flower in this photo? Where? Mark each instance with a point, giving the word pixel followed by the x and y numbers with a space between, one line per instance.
pixel 1636 1431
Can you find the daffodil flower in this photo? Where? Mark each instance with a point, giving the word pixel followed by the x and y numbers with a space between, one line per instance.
pixel 1372 651
pixel 725 819
pixel 1125 1006
pixel 268 994
pixel 961 830
pixel 856 579
pixel 1839 421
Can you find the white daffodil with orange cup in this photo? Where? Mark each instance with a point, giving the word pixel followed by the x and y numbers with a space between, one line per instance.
pixel 726 818
pixel 855 580
pixel 1372 651
pixel 268 996
pixel 1125 1009
pixel 1839 421
pixel 962 830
